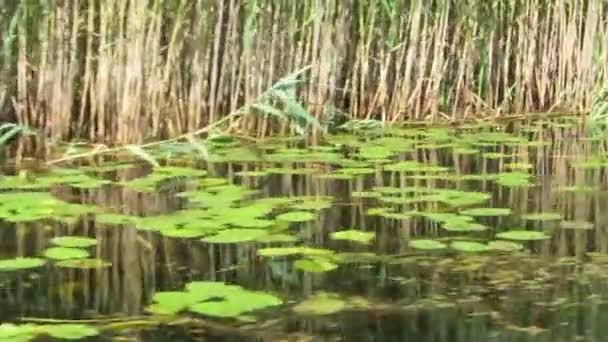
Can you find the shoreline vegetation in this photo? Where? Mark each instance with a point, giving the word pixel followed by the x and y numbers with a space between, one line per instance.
pixel 127 72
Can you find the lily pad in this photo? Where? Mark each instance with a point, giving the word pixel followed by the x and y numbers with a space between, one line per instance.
pixel 584 225
pixel 84 263
pixel 235 235
pixel 469 246
pixel 73 241
pixel 289 251
pixel 20 263
pixel 296 216
pixel 522 235
pixel 354 235
pixel 425 244
pixel 315 264
pixel 504 246
pixel 65 253
pixel 486 212
pixel 545 216
pixel 320 305
pixel 236 304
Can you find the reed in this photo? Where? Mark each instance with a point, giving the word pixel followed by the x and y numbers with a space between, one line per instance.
pixel 128 71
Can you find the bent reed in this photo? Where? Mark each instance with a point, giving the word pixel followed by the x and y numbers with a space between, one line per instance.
pixel 126 71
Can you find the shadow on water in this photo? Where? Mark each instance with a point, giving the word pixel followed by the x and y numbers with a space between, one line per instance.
pixel 552 290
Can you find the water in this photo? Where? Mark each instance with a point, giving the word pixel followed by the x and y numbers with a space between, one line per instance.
pixel 552 290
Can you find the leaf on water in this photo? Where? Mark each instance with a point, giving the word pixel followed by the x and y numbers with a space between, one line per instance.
pixel 236 304
pixel 504 246
pixel 469 246
pixel 139 152
pixel 365 194
pixel 425 244
pixel 544 216
pixel 71 331
pixel 297 250
pixel 84 263
pixel 296 216
pixel 522 235
pixel 73 241
pixel 319 305
pixel 584 225
pixel 315 264
pixel 277 238
pixel 486 212
pixel 235 235
pixel 513 179
pixel 184 233
pixel 315 204
pixel 378 211
pixel 464 226
pixel 20 263
pixel 65 253
pixel 253 174
pixel 354 235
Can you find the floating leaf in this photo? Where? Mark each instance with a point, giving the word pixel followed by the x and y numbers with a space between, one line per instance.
pixel 354 235
pixel 522 235
pixel 296 216
pixel 576 225
pixel 235 235
pixel 425 244
pixel 486 212
pixel 321 304
pixel 289 251
pixel 504 246
pixel 236 304
pixel 545 216
pixel 65 253
pixel 469 246
pixel 315 264
pixel 513 179
pixel 73 241
pixel 84 263
pixel 313 205
pixel 365 194
pixel 20 263
pixel 277 238
pixel 70 331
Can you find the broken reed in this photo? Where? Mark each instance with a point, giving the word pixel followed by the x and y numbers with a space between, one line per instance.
pixel 124 71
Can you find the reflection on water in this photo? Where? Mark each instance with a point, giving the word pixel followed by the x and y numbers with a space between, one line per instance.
pixel 554 290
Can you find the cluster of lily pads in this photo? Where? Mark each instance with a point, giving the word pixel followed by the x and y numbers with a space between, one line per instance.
pixel 219 211
pixel 29 332
pixel 67 252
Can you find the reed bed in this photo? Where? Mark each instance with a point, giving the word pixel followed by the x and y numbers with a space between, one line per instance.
pixel 128 71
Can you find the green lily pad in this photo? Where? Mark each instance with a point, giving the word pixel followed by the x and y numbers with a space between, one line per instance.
pixel 354 235
pixel 71 331
pixel 425 244
pixel 65 253
pixel 320 305
pixel 486 212
pixel 469 246
pixel 513 179
pixel 545 216
pixel 73 241
pixel 84 263
pixel 504 246
pixel 522 235
pixel 20 263
pixel 296 216
pixel 235 235
pixel 271 238
pixel 366 194
pixel 464 226
pixel 236 304
pixel 289 251
pixel 313 205
pixel 576 225
pixel 315 264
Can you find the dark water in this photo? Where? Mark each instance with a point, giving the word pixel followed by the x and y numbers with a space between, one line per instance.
pixel 553 290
